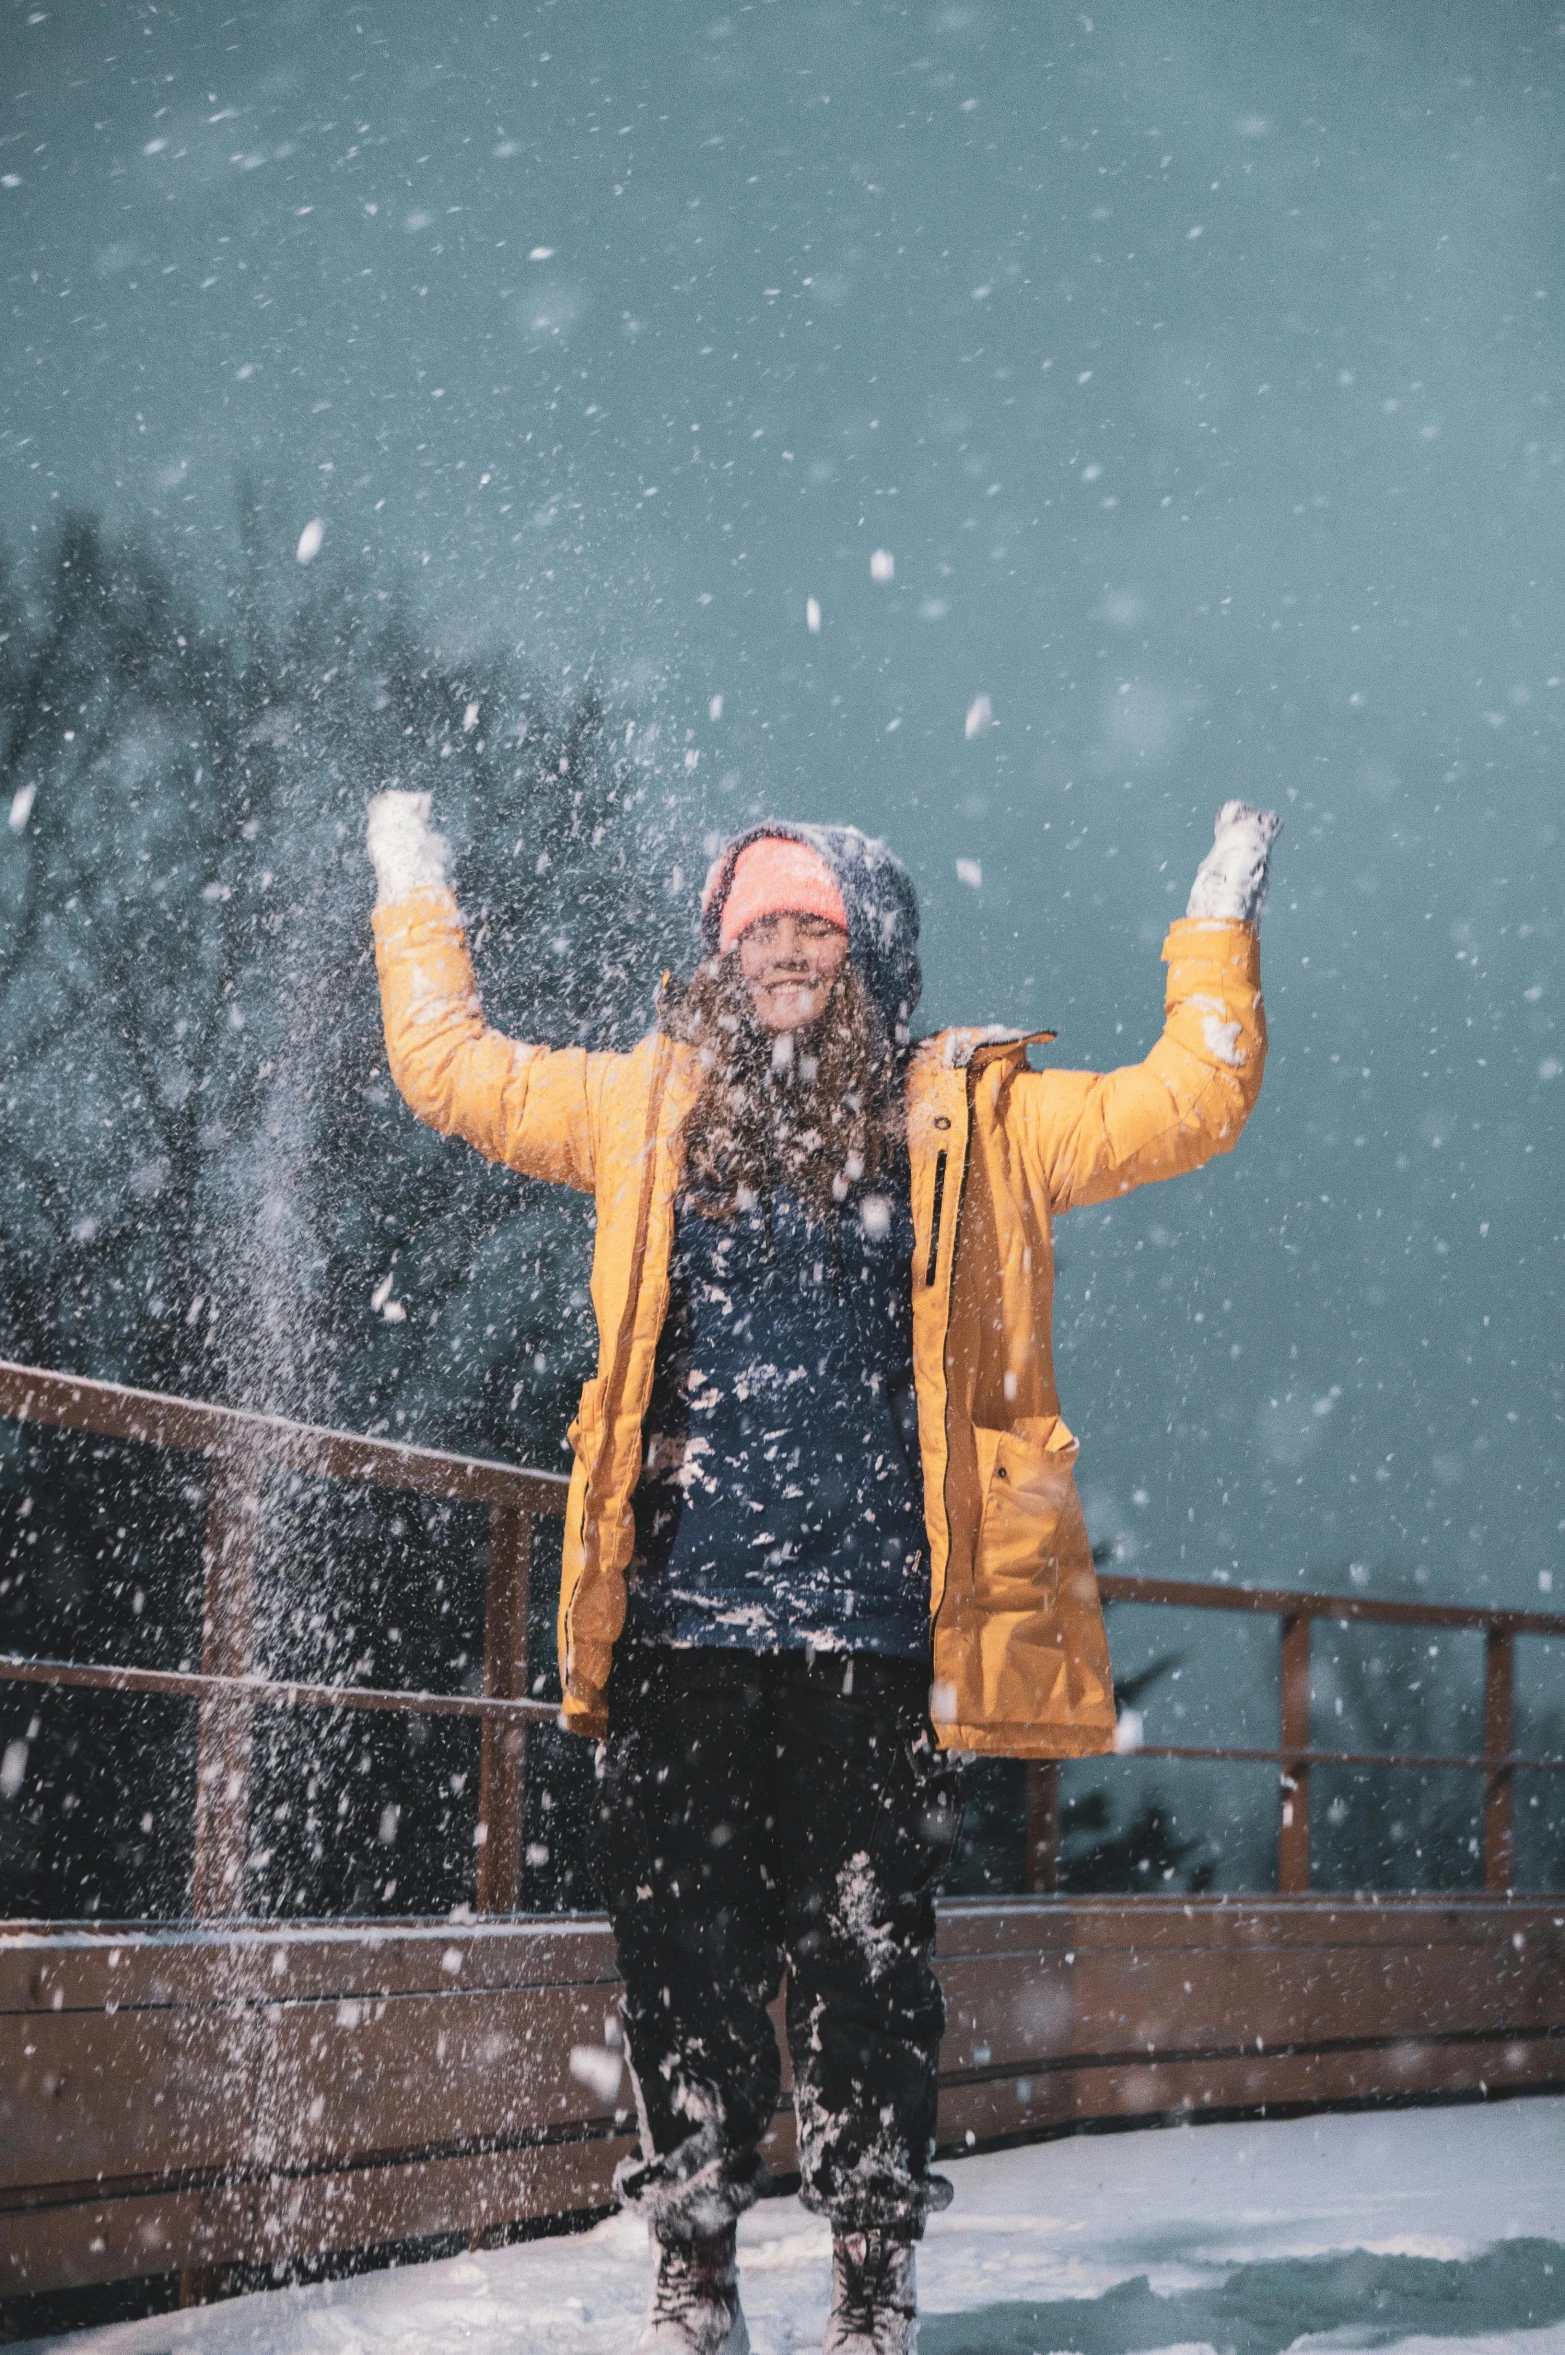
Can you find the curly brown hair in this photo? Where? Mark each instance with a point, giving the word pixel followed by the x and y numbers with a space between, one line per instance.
pixel 819 1111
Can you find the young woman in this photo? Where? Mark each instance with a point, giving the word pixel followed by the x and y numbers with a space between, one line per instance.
pixel 823 1533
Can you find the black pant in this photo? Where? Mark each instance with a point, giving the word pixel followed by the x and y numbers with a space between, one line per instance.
pixel 756 1811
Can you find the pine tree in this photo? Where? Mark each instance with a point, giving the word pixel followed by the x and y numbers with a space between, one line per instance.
pixel 211 1186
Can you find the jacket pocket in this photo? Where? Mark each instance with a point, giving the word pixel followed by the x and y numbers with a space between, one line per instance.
pixel 1025 1473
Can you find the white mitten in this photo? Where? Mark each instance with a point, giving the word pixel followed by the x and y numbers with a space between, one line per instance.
pixel 408 855
pixel 1230 882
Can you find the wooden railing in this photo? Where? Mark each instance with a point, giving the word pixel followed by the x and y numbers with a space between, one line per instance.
pixel 1294 1755
pixel 241 1449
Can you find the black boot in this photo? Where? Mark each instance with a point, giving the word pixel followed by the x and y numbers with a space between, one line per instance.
pixel 695 2298
pixel 874 2302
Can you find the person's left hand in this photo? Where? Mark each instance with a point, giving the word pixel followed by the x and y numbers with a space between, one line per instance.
pixel 1230 883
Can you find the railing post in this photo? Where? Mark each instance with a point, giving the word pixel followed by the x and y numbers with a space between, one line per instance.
pixel 1041 1875
pixel 502 1760
pixel 1499 1741
pixel 1293 1837
pixel 226 1721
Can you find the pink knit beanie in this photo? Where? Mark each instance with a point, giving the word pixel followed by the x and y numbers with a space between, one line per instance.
pixel 774 876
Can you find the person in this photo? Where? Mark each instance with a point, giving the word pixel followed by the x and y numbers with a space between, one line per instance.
pixel 822 1537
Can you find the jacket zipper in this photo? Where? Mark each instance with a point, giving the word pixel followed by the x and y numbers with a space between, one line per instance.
pixel 934 1224
pixel 956 1241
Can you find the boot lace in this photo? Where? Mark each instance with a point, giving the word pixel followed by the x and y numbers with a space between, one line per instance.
pixel 872 2286
pixel 695 2282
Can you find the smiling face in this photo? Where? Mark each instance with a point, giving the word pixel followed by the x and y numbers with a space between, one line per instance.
pixel 789 964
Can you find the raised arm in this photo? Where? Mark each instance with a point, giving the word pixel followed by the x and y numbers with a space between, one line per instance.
pixel 1093 1135
pixel 530 1107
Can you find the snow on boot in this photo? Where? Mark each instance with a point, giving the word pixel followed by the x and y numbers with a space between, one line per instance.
pixel 695 2299
pixel 874 2303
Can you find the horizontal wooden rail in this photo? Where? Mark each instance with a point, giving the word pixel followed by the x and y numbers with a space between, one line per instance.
pixel 289 1693
pixel 1476 1762
pixel 1282 1602
pixel 190 1685
pixel 271 1443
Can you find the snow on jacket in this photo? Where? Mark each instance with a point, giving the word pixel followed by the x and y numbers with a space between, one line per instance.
pixel 997 1151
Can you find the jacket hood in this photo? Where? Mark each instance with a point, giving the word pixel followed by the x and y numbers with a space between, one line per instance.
pixel 877 892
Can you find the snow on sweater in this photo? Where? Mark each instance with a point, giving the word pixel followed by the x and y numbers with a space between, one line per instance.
pixel 781 1503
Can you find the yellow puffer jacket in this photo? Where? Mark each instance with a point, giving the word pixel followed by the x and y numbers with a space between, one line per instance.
pixel 1021 1663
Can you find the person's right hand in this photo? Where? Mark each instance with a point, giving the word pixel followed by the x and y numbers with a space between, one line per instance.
pixel 408 855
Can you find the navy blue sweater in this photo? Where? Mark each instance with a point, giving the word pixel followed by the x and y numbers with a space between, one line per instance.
pixel 781 1503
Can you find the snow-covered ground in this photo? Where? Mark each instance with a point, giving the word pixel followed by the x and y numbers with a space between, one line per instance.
pixel 1436 2228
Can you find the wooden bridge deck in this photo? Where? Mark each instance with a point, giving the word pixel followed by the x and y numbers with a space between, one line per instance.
pixel 224 2092
pixel 196 2097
